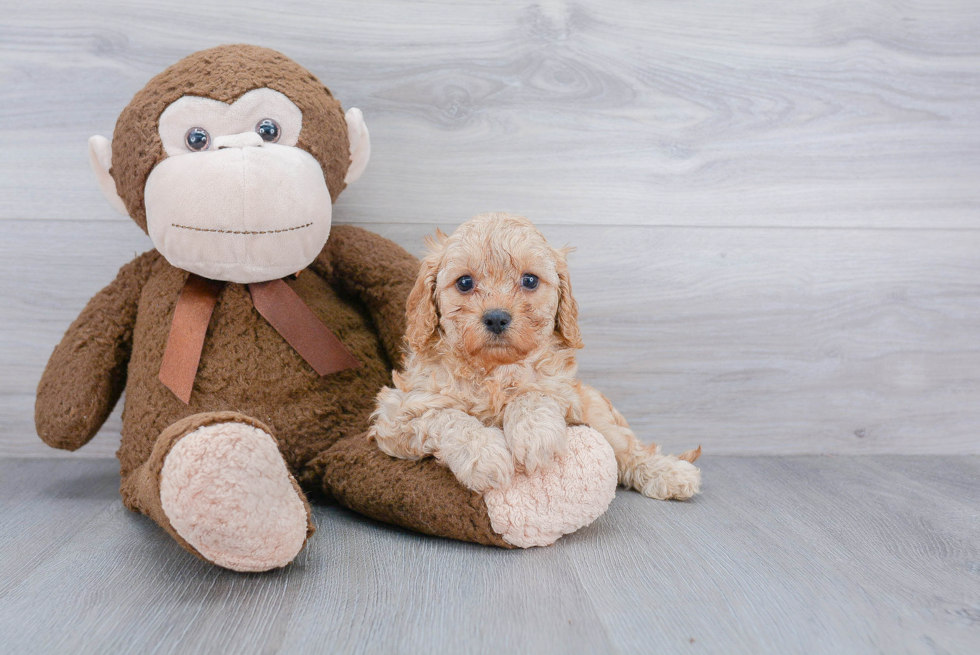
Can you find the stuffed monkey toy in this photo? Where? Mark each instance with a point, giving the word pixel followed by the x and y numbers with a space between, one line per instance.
pixel 250 346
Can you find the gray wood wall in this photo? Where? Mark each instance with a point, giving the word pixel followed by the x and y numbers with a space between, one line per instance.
pixel 775 203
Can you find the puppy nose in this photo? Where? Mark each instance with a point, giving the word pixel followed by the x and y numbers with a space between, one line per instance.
pixel 496 320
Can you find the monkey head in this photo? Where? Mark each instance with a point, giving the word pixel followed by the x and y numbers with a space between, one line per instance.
pixel 230 160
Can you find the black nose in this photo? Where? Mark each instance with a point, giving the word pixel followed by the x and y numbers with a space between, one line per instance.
pixel 496 320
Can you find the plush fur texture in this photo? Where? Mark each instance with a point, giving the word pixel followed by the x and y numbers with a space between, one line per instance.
pixel 225 73
pixel 142 489
pixel 226 491
pixel 484 403
pixel 251 388
pixel 538 508
pixel 420 495
pixel 358 287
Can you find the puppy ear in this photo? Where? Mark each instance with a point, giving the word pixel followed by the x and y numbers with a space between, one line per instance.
pixel 435 244
pixel 423 314
pixel 566 321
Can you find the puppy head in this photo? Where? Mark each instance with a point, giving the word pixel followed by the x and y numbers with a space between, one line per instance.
pixel 493 291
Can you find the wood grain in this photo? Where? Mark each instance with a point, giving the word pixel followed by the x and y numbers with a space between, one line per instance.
pixel 742 340
pixel 778 555
pixel 615 112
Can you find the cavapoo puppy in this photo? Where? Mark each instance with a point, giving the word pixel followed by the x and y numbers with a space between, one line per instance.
pixel 489 379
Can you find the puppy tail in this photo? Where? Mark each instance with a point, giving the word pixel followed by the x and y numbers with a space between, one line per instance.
pixel 691 455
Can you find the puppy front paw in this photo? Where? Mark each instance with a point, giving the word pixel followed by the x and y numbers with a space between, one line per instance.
pixel 481 462
pixel 536 444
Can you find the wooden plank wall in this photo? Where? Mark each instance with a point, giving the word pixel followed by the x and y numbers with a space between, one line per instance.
pixel 775 203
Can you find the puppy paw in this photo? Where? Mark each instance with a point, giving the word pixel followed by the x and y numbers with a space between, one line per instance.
pixel 679 481
pixel 663 477
pixel 483 462
pixel 537 444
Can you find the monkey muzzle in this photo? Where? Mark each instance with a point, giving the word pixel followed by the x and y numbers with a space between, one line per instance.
pixel 243 211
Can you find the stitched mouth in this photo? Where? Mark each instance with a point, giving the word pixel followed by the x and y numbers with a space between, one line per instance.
pixel 204 229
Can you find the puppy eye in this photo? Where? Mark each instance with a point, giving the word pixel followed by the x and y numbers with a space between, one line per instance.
pixel 268 129
pixel 464 284
pixel 197 139
pixel 529 281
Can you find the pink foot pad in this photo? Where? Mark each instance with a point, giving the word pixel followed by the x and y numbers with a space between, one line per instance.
pixel 227 492
pixel 536 509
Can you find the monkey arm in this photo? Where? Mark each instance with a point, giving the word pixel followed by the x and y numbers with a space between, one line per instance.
pixel 378 272
pixel 86 373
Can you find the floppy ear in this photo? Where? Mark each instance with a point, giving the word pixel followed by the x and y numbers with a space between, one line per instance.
pixel 566 321
pixel 423 314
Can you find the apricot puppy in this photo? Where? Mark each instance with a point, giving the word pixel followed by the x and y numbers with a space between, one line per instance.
pixel 489 379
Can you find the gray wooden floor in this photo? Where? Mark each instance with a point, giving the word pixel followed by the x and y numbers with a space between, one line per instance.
pixel 815 554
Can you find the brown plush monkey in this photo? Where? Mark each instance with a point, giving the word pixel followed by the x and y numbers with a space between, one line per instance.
pixel 245 382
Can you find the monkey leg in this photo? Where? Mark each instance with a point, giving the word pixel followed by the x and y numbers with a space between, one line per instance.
pixel 422 495
pixel 217 483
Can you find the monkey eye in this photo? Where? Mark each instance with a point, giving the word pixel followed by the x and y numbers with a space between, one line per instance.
pixel 197 139
pixel 268 129
pixel 529 281
pixel 464 284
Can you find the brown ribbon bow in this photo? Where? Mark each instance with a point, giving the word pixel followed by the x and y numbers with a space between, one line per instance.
pixel 275 301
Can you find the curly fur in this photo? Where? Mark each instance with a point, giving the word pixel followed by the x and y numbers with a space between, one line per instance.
pixel 483 403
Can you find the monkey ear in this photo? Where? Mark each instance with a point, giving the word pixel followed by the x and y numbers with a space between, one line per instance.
pixel 100 157
pixel 360 144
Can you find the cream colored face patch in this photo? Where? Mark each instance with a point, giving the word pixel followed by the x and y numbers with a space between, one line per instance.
pixel 219 119
pixel 247 214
